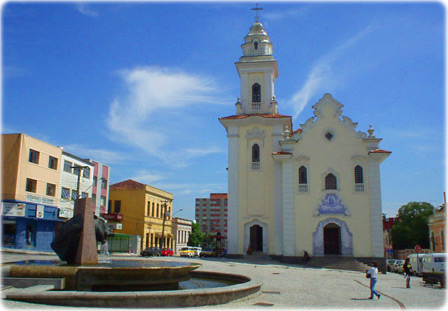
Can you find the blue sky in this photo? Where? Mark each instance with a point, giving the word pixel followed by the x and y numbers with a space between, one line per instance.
pixel 140 86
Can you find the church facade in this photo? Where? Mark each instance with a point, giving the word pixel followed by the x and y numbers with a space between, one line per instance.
pixel 314 189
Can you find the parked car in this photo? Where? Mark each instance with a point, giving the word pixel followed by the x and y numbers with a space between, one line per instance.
pixel 167 252
pixel 151 251
pixel 398 266
pixel 390 264
pixel 434 262
pixel 187 251
pixel 208 252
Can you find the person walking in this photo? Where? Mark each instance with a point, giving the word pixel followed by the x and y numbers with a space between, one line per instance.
pixel 407 268
pixel 372 273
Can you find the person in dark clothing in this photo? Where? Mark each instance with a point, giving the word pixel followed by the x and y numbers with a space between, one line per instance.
pixel 306 257
pixel 407 268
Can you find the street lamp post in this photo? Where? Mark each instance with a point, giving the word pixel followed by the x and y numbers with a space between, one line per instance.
pixel 162 243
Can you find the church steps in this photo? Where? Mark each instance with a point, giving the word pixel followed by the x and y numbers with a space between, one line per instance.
pixel 343 263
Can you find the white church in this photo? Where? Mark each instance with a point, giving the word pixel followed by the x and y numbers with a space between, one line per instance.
pixel 314 189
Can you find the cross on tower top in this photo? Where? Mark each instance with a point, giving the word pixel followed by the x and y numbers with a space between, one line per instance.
pixel 256 9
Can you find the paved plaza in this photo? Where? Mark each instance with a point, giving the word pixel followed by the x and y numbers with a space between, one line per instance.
pixel 294 286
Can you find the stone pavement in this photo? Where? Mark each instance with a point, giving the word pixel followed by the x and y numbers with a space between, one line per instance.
pixel 297 287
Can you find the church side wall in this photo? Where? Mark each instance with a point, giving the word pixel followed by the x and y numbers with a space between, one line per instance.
pixel 339 157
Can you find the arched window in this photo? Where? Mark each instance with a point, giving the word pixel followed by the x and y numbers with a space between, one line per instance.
pixel 256 93
pixel 359 179
pixel 303 178
pixel 256 45
pixel 255 153
pixel 433 241
pixel 330 182
pixel 442 236
pixel 255 157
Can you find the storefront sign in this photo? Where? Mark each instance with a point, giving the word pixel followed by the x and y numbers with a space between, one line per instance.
pixel 39 199
pixel 40 211
pixel 114 226
pixel 13 209
pixel 65 213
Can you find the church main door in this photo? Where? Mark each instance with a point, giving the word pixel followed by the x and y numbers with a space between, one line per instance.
pixel 332 239
pixel 256 238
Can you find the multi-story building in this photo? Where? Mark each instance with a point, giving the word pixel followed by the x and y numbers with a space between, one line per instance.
pixel 211 213
pixel 437 227
pixel 30 192
pixel 388 223
pixel 142 210
pixel 182 231
pixel 76 176
pixel 100 189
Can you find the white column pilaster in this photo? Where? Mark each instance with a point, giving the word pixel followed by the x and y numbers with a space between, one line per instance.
pixel 288 207
pixel 233 235
pixel 375 208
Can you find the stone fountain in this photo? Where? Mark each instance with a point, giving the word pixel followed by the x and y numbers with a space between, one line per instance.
pixel 83 281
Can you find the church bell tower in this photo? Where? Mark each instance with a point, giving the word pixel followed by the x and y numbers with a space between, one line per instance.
pixel 258 70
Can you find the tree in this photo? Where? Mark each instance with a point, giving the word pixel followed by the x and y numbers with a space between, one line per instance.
pixel 411 227
pixel 196 237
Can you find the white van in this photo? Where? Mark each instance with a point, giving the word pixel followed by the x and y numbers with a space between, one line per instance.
pixel 417 268
pixel 197 251
pixel 434 262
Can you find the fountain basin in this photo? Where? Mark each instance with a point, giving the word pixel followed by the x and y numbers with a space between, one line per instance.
pixel 108 276
pixel 243 286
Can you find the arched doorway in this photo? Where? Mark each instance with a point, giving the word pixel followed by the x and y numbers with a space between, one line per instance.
pixel 332 239
pixel 345 237
pixel 256 238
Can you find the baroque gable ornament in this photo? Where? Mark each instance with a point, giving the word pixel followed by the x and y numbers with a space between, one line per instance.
pixel 331 204
pixel 255 133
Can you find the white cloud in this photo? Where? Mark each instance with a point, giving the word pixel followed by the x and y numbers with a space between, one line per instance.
pixel 322 74
pixel 282 14
pixel 203 151
pixel 144 118
pixel 85 9
pixel 100 155
pixel 148 178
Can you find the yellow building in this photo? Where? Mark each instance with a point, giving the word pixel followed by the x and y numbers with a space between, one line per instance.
pixel 140 209
pixel 30 183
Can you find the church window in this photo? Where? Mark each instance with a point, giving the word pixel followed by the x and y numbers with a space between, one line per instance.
pixel 256 45
pixel 329 136
pixel 255 157
pixel 359 179
pixel 330 182
pixel 256 93
pixel 303 179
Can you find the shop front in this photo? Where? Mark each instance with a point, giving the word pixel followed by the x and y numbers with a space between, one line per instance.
pixel 28 226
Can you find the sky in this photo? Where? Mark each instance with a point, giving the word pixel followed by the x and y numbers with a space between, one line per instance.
pixel 140 86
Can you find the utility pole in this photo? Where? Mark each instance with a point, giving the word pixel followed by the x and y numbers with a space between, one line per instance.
pixel 79 168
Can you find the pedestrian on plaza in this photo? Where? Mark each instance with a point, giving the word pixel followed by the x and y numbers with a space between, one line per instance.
pixel 306 257
pixel 407 267
pixel 372 273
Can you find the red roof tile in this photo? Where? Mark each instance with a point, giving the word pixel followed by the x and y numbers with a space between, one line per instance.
pixel 244 116
pixel 281 152
pixel 128 184
pixel 379 151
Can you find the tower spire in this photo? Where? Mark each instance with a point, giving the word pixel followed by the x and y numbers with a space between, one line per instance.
pixel 256 9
